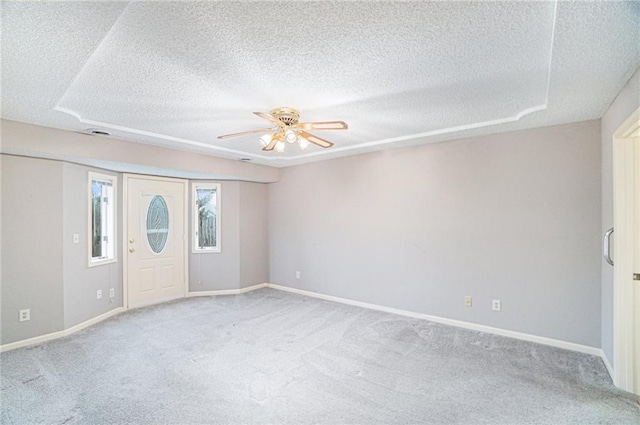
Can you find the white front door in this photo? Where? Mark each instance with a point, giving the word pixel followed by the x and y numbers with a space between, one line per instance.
pixel 156 238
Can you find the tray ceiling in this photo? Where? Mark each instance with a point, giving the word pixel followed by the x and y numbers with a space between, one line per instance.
pixel 399 73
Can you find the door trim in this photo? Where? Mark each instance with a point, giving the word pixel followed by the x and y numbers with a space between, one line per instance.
pixel 125 231
pixel 626 172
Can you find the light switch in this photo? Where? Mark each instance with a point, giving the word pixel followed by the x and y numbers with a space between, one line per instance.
pixel 76 238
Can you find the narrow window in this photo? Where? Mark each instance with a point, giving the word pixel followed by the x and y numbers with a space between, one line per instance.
pixel 102 222
pixel 206 217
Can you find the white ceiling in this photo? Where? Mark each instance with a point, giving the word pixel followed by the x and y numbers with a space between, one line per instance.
pixel 399 73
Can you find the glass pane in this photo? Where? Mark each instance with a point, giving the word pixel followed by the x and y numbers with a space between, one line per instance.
pixel 207 231
pixel 96 219
pixel 157 224
pixel 101 233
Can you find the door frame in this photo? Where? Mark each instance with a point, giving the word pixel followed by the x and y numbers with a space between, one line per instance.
pixel 125 231
pixel 626 172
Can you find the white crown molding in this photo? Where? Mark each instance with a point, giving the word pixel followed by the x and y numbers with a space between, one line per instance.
pixel 382 142
pixel 235 153
pixel 154 135
pixel 439 132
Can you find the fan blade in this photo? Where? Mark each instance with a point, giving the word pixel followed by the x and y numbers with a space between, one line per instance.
pixel 316 140
pixel 268 117
pixel 226 136
pixel 324 125
pixel 272 144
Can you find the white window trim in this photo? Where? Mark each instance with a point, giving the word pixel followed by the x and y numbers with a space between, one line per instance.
pixel 91 262
pixel 194 230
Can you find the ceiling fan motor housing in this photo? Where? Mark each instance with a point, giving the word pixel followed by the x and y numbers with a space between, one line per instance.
pixel 288 116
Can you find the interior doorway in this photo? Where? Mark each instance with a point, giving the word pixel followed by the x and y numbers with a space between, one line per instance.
pixel 626 307
pixel 155 244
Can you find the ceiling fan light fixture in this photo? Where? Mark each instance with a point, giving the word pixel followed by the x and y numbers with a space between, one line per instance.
pixel 286 128
pixel 304 143
pixel 265 139
pixel 290 136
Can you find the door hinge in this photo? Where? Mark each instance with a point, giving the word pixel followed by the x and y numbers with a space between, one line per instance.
pixel 636 276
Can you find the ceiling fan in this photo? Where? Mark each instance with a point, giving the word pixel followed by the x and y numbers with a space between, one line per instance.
pixel 288 129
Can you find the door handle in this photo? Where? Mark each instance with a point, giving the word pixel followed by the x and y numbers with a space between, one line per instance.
pixel 132 249
pixel 131 240
pixel 606 246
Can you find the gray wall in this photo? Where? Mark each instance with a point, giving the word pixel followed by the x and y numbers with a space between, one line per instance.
pixel 244 260
pixel 81 282
pixel 31 250
pixel 42 268
pixel 513 216
pixel 44 203
pixel 627 101
pixel 254 236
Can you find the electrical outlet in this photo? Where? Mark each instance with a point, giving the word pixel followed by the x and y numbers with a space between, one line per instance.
pixel 297 274
pixel 495 304
pixel 468 302
pixel 99 294
pixel 112 292
pixel 76 238
pixel 25 315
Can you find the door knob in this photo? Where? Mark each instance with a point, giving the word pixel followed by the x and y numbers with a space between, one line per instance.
pixel 132 249
pixel 131 240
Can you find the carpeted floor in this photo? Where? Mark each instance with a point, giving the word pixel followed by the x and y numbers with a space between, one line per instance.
pixel 279 358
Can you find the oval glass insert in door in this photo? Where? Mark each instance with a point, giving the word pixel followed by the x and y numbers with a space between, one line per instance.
pixel 157 224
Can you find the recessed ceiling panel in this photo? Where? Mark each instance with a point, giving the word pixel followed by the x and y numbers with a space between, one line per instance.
pixel 178 74
pixel 188 72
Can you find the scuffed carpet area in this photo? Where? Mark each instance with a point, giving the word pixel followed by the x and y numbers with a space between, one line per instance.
pixel 271 357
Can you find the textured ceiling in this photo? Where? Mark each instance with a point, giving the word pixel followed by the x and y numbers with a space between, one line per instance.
pixel 179 74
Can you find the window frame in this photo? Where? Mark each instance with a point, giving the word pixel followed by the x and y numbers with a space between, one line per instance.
pixel 195 249
pixel 112 207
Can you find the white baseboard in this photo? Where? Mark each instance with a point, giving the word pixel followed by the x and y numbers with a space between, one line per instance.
pixel 154 302
pixel 60 334
pixel 227 291
pixel 607 364
pixel 443 320
pixel 451 322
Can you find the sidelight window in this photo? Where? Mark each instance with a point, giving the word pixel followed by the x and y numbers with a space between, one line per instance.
pixel 206 217
pixel 102 221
